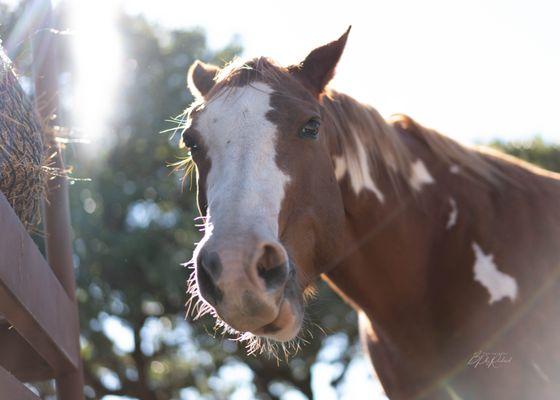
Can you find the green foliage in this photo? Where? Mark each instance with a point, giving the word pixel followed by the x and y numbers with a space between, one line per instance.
pixel 535 151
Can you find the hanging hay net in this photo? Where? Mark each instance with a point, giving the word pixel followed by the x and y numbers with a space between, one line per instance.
pixel 22 151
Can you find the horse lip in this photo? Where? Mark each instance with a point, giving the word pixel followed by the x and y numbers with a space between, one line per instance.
pixel 284 327
pixel 271 327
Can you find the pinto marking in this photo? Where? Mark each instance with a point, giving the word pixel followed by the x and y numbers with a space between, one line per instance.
pixel 498 284
pixel 452 219
pixel 244 178
pixel 455 169
pixel 420 176
pixel 339 168
pixel 357 167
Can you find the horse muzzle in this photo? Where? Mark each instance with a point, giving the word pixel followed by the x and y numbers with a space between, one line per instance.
pixel 250 284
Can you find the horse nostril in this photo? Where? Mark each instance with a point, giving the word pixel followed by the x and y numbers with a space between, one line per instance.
pixel 211 263
pixel 272 267
pixel 208 269
pixel 274 277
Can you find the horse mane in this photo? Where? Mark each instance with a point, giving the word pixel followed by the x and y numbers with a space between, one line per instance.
pixel 358 122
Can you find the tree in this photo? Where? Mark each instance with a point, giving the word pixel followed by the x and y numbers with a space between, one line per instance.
pixel 535 151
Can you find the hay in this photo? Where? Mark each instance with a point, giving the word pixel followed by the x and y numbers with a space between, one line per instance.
pixel 22 150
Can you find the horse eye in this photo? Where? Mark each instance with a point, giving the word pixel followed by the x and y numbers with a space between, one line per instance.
pixel 311 129
pixel 189 142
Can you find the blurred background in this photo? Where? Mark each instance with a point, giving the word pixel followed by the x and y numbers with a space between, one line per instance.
pixel 480 72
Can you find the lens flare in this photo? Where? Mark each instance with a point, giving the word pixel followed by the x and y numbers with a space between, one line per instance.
pixel 98 53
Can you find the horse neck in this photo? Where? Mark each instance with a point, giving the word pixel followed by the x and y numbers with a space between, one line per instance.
pixel 411 254
pixel 394 211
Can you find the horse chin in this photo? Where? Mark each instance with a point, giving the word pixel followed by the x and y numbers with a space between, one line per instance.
pixel 286 326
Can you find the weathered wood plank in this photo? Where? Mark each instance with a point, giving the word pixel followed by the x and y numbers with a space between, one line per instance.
pixel 21 359
pixel 32 299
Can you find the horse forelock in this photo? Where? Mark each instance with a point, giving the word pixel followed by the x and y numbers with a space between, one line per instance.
pixel 241 72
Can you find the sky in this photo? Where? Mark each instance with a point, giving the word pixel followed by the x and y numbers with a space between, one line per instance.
pixel 475 70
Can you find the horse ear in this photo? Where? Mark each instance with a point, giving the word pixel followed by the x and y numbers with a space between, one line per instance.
pixel 318 67
pixel 200 78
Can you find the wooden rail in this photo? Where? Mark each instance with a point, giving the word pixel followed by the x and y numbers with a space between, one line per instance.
pixel 15 388
pixel 33 300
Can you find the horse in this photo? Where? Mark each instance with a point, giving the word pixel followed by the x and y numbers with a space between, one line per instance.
pixel 448 253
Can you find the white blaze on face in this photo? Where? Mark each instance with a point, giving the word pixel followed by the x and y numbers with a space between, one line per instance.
pixel 244 183
pixel 357 166
pixel 419 176
pixel 498 284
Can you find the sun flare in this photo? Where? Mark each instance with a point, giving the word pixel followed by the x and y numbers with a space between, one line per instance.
pixel 98 53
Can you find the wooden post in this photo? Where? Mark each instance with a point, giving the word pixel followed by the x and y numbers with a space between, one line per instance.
pixel 56 213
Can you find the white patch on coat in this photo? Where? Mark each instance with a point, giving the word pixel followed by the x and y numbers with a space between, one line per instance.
pixel 244 185
pixel 454 169
pixel 498 284
pixel 357 166
pixel 339 168
pixel 419 175
pixel 452 219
